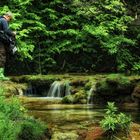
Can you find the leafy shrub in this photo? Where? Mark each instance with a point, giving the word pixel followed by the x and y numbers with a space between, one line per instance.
pixel 14 122
pixel 114 122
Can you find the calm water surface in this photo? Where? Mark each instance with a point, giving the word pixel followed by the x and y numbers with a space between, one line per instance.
pixel 72 117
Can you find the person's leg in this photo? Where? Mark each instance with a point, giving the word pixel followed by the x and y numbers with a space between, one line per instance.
pixel 2 61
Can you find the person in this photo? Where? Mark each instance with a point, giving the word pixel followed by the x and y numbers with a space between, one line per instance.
pixel 4 26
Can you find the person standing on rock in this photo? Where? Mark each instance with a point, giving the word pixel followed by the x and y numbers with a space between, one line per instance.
pixel 4 31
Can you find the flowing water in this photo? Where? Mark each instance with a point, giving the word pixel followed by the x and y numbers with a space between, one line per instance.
pixel 59 89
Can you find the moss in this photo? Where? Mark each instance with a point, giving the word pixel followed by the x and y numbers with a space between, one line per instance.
pixel 68 99
pixel 12 88
pixel 79 96
pixel 36 78
pixel 88 85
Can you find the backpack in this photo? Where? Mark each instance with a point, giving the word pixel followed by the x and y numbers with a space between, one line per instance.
pixel 8 40
pixel 4 37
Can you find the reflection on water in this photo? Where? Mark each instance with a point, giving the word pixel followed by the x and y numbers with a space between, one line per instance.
pixel 72 117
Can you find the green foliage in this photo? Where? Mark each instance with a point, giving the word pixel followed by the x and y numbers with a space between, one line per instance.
pixel 93 33
pixel 13 121
pixel 10 114
pixel 25 23
pixel 115 122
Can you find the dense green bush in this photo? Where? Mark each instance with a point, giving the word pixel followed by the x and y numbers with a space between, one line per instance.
pixel 15 123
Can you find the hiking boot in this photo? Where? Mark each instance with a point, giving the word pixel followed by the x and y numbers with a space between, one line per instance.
pixel 2 77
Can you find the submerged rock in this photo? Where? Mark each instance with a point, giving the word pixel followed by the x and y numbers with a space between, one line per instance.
pixel 64 136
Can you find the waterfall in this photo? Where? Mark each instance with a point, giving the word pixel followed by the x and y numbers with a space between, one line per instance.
pixel 91 94
pixel 59 89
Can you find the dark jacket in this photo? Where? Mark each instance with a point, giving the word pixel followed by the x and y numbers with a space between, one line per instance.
pixel 4 26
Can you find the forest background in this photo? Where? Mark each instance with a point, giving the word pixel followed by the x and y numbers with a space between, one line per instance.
pixel 74 36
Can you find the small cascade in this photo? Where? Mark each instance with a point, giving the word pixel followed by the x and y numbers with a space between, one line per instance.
pixel 59 89
pixel 30 91
pixel 91 94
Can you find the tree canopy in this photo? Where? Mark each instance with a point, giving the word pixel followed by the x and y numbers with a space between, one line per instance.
pixel 75 35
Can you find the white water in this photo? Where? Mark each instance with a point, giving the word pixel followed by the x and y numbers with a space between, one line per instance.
pixel 59 89
pixel 91 94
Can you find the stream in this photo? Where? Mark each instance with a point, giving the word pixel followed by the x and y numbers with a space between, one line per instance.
pixel 62 118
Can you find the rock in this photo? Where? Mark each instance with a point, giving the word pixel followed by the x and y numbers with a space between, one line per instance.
pixel 79 82
pixel 136 92
pixel 114 88
pixel 82 134
pixel 80 97
pixel 135 131
pixel 12 88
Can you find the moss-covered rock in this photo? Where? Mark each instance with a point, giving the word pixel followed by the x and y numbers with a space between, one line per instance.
pixel 88 85
pixel 79 82
pixel 12 88
pixel 68 99
pixel 80 97
pixel 117 88
pixel 35 79
pixel 114 85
